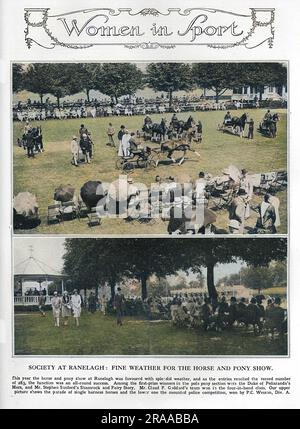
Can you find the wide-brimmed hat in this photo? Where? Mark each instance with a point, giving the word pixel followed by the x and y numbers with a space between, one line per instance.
pixel 234 224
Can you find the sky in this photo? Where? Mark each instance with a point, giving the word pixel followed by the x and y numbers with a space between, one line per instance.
pixel 50 250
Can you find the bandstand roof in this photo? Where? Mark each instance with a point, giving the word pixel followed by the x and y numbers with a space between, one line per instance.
pixel 35 270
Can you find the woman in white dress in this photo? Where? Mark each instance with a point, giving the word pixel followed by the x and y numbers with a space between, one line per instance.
pixel 76 306
pixel 66 307
pixel 56 307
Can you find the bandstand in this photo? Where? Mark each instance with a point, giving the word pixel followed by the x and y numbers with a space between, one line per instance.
pixel 32 278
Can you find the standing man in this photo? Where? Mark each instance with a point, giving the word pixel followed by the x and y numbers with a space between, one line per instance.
pixel 119 304
pixel 247 185
pixel 120 137
pixel 237 210
pixel 75 151
pixel 267 217
pixel 251 129
pixel 90 145
pixel 110 132
pixel 56 307
pixel 92 302
pixel 85 145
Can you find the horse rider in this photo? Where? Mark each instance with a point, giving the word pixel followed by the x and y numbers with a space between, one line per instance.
pixel 227 118
pixel 82 130
pixel 147 121
pixel 133 145
pixel 27 128
pixel 268 116
pixel 174 118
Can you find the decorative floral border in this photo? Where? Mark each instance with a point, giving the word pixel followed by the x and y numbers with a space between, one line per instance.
pixel 146 12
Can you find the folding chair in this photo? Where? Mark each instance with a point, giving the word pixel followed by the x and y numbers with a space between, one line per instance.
pixel 94 219
pixel 82 210
pixel 280 181
pixel 54 213
pixel 68 210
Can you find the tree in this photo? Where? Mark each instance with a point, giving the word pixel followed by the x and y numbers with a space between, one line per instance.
pixel 62 80
pixel 261 75
pixel 169 77
pixel 85 77
pixel 256 277
pixel 118 79
pixel 208 253
pixel 18 77
pixel 37 79
pixel 90 263
pixel 94 261
pixel 218 76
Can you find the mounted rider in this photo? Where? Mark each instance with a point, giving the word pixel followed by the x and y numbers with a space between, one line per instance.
pixel 227 118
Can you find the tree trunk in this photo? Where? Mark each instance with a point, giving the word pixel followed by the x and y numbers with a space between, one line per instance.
pixel 112 285
pixel 58 101
pixel 144 277
pixel 217 95
pixel 41 99
pixel 170 97
pixel 261 91
pixel 88 95
pixel 212 292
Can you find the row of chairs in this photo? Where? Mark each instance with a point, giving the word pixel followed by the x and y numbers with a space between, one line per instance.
pixel 60 212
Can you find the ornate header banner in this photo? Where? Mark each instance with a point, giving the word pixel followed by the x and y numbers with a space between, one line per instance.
pixel 149 28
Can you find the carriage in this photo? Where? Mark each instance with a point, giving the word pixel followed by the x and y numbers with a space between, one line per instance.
pixel 268 126
pixel 137 159
pixel 231 126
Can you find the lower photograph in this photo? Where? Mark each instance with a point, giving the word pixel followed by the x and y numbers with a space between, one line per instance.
pixel 154 296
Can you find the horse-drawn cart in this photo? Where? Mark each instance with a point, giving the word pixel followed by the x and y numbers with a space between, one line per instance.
pixel 138 159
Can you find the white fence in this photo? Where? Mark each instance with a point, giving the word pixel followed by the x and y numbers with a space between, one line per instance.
pixel 29 300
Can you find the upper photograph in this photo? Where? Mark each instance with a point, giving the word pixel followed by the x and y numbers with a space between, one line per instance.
pixel 150 148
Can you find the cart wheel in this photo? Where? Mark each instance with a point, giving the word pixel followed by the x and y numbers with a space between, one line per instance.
pixel 119 163
pixel 155 158
pixel 150 164
pixel 127 166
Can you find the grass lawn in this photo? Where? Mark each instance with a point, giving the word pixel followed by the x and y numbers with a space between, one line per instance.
pixel 99 335
pixel 48 170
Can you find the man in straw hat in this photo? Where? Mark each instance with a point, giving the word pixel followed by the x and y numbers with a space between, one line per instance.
pixel 75 151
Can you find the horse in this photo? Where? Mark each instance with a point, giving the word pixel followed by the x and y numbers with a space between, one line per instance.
pixel 159 131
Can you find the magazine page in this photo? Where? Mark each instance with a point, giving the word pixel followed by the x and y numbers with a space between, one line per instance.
pixel 148 205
